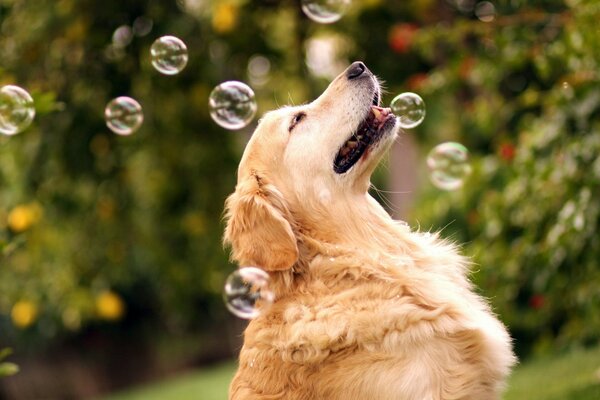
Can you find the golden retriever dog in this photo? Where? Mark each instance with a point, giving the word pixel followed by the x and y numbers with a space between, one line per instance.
pixel 365 308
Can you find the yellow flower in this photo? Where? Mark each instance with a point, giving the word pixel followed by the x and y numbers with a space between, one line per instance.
pixel 224 17
pixel 23 314
pixel 110 306
pixel 23 217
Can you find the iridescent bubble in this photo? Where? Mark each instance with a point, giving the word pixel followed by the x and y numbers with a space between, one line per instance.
pixel 325 11
pixel 258 70
pixel 16 110
pixel 123 115
pixel 485 11
pixel 448 165
pixel 122 36
pixel 410 109
pixel 142 26
pixel 247 292
pixel 465 6
pixel 169 55
pixel 232 104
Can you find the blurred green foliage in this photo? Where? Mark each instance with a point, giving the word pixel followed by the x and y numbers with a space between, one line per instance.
pixel 7 368
pixel 523 94
pixel 95 227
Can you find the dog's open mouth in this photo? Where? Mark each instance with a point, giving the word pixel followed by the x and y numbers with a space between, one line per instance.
pixel 368 133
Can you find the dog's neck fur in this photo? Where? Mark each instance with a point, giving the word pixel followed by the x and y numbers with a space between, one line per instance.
pixel 360 227
pixel 352 224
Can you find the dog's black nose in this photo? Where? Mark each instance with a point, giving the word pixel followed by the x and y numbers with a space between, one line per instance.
pixel 355 70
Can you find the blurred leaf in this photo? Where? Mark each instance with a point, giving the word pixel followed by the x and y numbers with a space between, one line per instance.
pixel 45 103
pixel 5 353
pixel 8 369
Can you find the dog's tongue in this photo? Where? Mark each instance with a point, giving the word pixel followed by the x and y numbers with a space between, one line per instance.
pixel 380 114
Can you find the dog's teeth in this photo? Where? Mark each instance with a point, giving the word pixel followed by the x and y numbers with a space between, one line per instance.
pixel 353 145
pixel 376 112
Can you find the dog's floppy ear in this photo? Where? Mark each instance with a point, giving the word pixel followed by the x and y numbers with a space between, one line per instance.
pixel 258 226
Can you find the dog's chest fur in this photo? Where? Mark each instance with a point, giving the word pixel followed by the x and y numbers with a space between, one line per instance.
pixel 356 317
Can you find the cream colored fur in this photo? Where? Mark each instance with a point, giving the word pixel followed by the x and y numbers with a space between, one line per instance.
pixel 365 308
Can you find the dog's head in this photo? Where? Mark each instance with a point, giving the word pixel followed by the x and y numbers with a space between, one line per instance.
pixel 303 163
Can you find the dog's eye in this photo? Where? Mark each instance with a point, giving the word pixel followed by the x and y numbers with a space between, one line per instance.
pixel 296 120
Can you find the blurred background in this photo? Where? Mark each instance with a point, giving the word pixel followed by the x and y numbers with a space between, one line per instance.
pixel 111 264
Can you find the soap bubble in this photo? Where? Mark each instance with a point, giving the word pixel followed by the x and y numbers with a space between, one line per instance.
pixel 123 115
pixel 142 26
pixel 258 70
pixel 169 55
pixel 325 11
pixel 232 104
pixel 16 110
pixel 485 11
pixel 245 288
pixel 465 6
pixel 448 165
pixel 122 36
pixel 410 109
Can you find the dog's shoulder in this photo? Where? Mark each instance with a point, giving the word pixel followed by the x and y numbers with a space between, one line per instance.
pixel 355 298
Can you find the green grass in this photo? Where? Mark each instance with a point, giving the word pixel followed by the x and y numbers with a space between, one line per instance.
pixel 207 384
pixel 573 376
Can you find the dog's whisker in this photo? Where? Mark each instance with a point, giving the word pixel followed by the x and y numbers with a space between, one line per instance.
pixel 446 226
pixel 394 191
pixel 389 191
pixel 276 100
pixel 388 203
pixel 290 99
